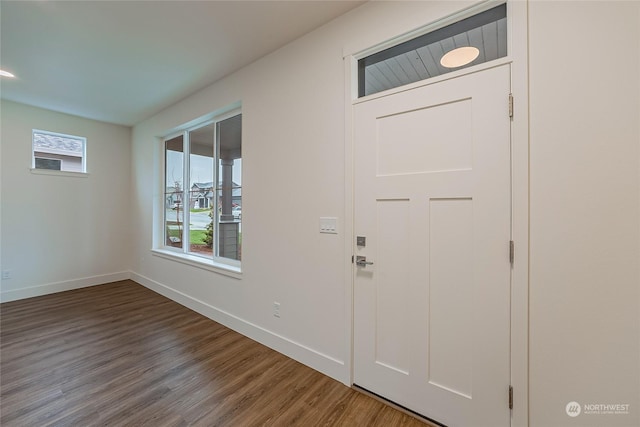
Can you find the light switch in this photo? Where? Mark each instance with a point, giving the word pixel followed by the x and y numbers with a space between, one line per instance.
pixel 329 225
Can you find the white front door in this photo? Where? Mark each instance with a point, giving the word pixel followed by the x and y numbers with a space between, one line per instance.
pixel 432 199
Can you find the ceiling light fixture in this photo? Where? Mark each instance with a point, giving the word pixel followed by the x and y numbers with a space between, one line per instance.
pixel 459 57
pixel 4 73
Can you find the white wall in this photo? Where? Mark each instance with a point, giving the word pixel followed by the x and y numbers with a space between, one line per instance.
pixel 585 212
pixel 61 232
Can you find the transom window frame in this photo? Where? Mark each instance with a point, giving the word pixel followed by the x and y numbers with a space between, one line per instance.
pixel 464 18
pixel 225 266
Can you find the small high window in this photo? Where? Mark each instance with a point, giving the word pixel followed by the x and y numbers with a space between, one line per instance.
pixel 60 152
pixel 474 40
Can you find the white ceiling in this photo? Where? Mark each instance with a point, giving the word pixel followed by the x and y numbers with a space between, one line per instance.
pixel 123 61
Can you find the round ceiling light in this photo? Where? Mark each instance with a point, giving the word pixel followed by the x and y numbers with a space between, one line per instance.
pixel 459 57
pixel 4 73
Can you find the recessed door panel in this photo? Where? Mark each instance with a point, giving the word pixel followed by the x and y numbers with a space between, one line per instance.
pixel 402 137
pixel 392 285
pixel 450 294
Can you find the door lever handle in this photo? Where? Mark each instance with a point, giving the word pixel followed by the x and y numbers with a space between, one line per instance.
pixel 361 261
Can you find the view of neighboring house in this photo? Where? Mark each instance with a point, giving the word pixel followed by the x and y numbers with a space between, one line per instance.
pixel 58 152
pixel 201 197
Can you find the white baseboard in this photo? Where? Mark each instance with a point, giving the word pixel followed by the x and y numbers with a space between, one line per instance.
pixel 328 365
pixel 67 285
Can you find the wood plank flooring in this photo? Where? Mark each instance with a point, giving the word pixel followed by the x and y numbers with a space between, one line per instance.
pixel 122 355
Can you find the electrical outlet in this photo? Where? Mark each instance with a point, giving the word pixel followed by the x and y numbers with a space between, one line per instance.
pixel 276 309
pixel 6 274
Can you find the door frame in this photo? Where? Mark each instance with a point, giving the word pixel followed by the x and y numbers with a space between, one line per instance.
pixel 517 21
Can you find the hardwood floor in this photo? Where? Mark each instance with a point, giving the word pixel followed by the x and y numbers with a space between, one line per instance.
pixel 122 355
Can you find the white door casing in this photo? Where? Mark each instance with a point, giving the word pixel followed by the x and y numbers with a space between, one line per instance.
pixel 432 197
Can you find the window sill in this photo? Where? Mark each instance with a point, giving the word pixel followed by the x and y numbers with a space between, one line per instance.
pixel 59 173
pixel 199 262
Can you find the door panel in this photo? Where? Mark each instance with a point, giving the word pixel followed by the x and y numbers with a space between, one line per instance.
pixel 451 151
pixel 392 349
pixel 432 196
pixel 450 290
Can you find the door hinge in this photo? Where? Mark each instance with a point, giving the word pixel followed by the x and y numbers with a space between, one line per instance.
pixel 511 105
pixel 512 251
pixel 352 259
pixel 510 397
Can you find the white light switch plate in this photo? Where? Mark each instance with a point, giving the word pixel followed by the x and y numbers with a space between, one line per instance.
pixel 329 225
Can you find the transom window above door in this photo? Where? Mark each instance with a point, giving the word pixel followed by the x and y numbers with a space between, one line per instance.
pixel 474 40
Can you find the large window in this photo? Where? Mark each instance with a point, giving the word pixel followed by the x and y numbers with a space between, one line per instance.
pixel 59 152
pixel 203 190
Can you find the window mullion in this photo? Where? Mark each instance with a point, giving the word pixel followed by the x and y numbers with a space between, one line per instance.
pixel 186 196
pixel 216 214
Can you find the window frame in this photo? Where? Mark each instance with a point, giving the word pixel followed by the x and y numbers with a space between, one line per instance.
pixel 62 171
pixel 474 17
pixel 226 266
